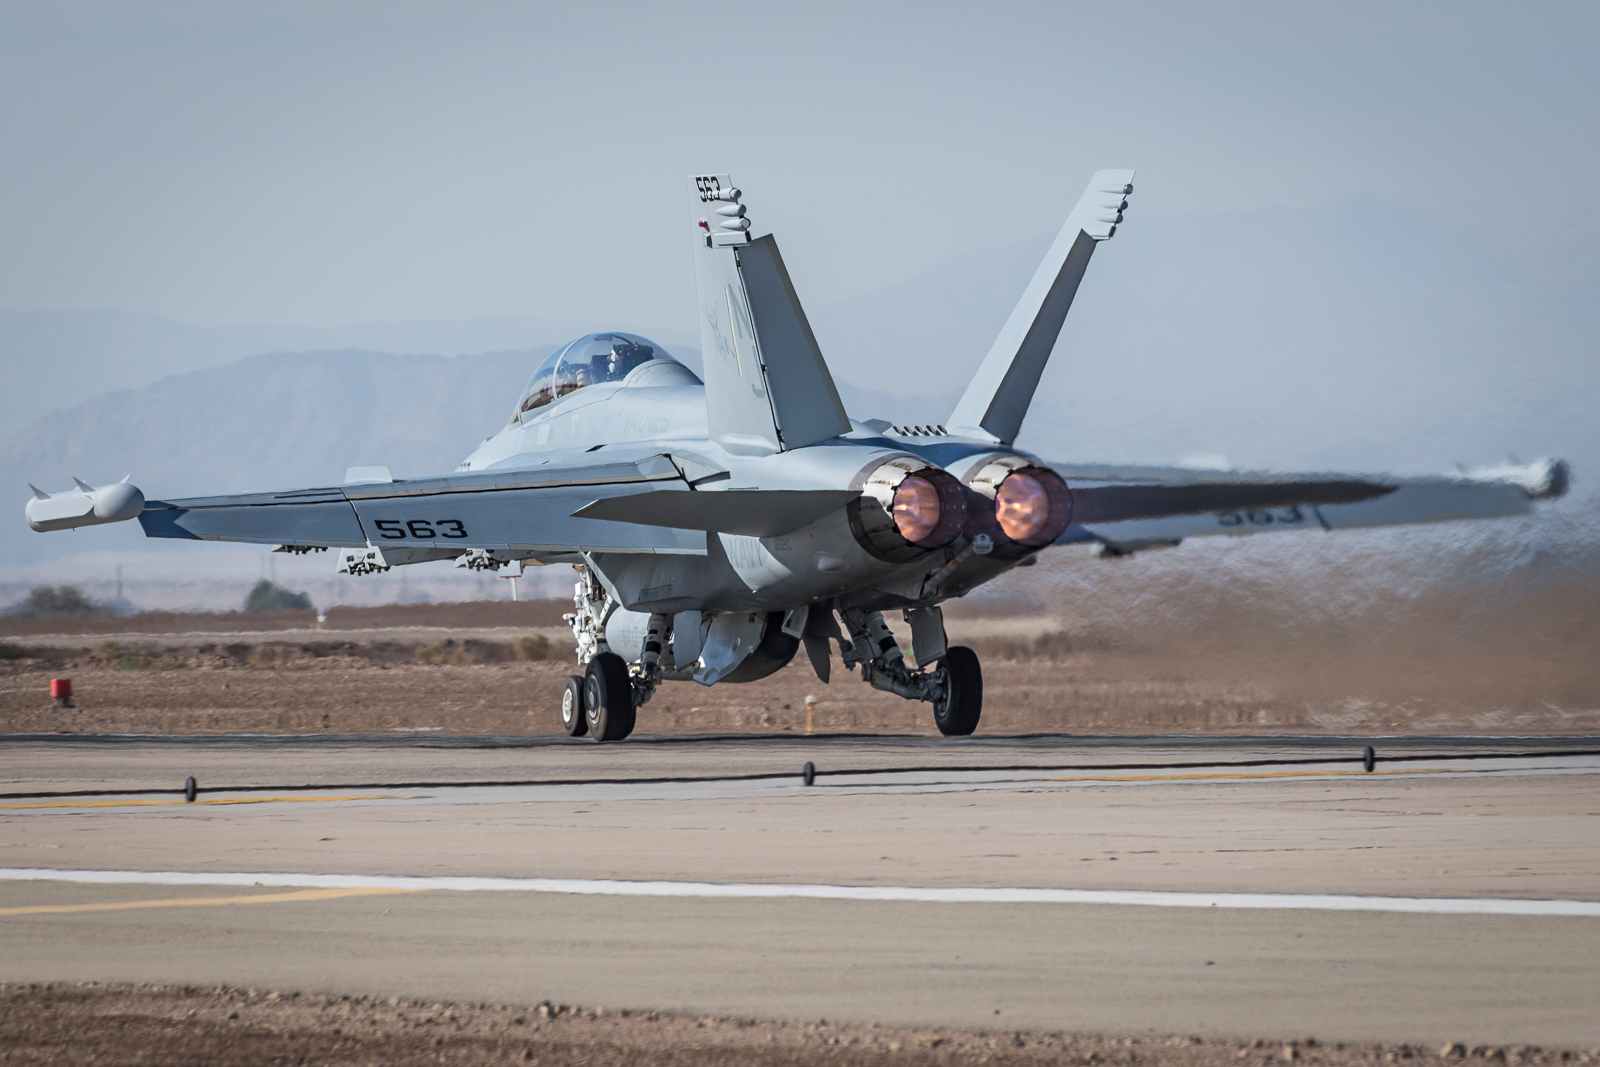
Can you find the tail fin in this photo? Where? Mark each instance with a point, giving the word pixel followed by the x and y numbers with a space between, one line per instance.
pixel 998 397
pixel 767 386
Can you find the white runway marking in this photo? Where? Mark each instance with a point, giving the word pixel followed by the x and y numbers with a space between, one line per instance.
pixel 953 895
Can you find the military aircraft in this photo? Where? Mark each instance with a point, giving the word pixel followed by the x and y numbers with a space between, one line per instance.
pixel 717 526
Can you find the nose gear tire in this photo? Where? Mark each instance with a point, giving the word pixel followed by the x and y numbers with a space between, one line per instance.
pixel 608 698
pixel 956 714
pixel 572 717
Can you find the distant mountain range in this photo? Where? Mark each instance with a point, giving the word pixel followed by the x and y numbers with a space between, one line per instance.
pixel 57 359
pixel 277 420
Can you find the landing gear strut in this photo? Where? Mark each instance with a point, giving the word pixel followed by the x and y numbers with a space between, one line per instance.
pixel 603 702
pixel 954 686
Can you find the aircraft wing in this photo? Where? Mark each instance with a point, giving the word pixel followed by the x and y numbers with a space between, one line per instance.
pixel 1127 509
pixel 528 510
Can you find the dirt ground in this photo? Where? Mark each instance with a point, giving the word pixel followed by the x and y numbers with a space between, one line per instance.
pixel 104 1024
pixel 475 614
pixel 191 678
pixel 1083 696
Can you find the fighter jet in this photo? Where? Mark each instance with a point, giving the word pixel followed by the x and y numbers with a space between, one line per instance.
pixel 717 526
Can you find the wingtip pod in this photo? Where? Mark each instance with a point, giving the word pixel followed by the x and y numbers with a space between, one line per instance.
pixel 84 506
pixel 1555 481
pixel 1543 479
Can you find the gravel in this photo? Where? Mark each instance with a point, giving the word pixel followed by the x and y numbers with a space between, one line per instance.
pixel 91 1023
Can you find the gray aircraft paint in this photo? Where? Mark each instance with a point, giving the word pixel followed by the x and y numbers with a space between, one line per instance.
pixel 805 402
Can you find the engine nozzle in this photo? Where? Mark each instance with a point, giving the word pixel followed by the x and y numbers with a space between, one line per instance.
pixel 1027 504
pixel 1033 506
pixel 906 509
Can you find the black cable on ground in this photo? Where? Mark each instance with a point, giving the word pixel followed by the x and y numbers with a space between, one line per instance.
pixel 768 775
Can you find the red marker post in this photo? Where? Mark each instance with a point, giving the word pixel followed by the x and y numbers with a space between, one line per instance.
pixel 61 692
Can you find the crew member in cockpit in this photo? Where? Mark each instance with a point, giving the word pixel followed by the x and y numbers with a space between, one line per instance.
pixel 625 355
pixel 570 377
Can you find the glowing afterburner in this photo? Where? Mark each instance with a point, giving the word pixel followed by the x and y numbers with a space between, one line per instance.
pixel 1033 506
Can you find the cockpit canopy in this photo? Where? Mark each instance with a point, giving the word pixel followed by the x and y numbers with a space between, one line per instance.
pixel 599 357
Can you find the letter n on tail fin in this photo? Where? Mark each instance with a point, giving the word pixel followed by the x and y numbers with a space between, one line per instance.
pixel 767 386
pixel 997 399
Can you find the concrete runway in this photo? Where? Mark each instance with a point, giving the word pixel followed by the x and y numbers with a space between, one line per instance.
pixel 1515 827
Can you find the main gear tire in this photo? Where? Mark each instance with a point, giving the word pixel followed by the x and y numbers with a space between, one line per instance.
pixel 957 711
pixel 608 698
pixel 573 720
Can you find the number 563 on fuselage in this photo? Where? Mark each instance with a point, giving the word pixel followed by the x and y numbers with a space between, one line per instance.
pixel 718 526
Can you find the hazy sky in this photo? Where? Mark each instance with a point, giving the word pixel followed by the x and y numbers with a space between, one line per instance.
pixel 1369 230
pixel 325 163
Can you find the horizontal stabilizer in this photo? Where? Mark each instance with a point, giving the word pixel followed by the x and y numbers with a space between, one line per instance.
pixel 751 512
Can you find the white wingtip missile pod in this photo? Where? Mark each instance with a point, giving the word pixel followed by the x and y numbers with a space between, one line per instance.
pixel 83 506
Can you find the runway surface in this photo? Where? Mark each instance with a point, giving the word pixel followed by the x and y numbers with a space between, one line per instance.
pixel 927 895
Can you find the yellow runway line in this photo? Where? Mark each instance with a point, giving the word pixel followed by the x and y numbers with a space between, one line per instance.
pixel 185 803
pixel 1238 774
pixel 190 902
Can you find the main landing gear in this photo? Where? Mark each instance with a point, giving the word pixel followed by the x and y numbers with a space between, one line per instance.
pixel 603 702
pixel 608 698
pixel 959 682
pixel 953 685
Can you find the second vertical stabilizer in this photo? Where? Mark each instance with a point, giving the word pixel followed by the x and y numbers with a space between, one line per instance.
pixel 999 395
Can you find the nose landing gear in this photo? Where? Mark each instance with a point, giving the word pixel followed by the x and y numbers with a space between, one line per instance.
pixel 573 720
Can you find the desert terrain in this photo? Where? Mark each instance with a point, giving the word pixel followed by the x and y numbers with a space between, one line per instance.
pixel 497 668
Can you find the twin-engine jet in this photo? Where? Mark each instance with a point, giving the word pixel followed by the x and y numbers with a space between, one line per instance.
pixel 717 526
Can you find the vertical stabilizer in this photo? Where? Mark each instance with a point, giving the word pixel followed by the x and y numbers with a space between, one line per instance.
pixel 804 399
pixel 997 400
pixel 767 385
